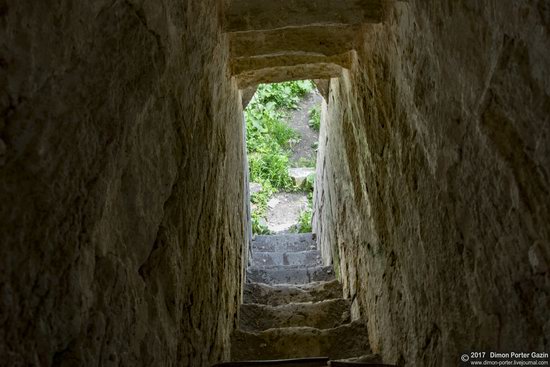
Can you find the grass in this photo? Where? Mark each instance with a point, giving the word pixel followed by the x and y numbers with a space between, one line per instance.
pixel 259 201
pixel 269 140
pixel 304 221
pixel 308 162
pixel 305 218
pixel 315 118
pixel 284 95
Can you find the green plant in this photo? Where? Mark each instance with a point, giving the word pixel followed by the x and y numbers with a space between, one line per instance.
pixel 269 139
pixel 284 95
pixel 258 225
pixel 259 202
pixel 304 221
pixel 309 185
pixel 261 198
pixel 315 118
pixel 304 224
pixel 309 162
pixel 271 167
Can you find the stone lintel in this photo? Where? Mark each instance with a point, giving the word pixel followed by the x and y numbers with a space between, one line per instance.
pixel 286 73
pixel 254 15
pixel 247 94
pixel 323 86
pixel 322 40
pixel 245 64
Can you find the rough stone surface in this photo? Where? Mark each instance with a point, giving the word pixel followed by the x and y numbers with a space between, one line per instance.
pixel 284 321
pixel 284 210
pixel 315 40
pixel 288 362
pixel 299 175
pixel 369 358
pixel 323 86
pixel 284 243
pixel 304 258
pixel 247 95
pixel 321 315
pixel 279 294
pixel 251 15
pixel 345 341
pixel 286 274
pixel 260 63
pixel 278 74
pixel 433 180
pixel 255 188
pixel 121 184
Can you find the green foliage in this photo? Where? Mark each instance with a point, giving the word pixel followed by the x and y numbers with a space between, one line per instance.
pixel 304 221
pixel 265 125
pixel 259 202
pixel 283 95
pixel 305 218
pixel 315 118
pixel 269 139
pixel 261 198
pixel 310 183
pixel 258 227
pixel 270 166
pixel 309 162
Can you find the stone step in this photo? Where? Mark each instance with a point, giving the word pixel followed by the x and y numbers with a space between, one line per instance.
pixel 295 362
pixel 286 274
pixel 284 243
pixel 345 341
pixel 321 315
pixel 248 16
pixel 276 295
pixel 304 258
pixel 366 360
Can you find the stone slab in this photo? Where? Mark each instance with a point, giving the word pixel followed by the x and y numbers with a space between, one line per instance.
pixel 345 341
pixel 279 294
pixel 303 258
pixel 322 315
pixel 284 243
pixel 289 274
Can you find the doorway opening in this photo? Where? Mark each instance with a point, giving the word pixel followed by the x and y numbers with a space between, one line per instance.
pixel 282 130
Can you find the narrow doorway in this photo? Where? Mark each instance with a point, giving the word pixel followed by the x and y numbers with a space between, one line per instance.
pixel 282 128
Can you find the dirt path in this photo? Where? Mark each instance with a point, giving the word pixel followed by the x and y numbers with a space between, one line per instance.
pixel 284 210
pixel 285 207
pixel 299 121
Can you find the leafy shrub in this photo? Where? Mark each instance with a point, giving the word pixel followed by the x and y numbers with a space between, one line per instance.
pixel 309 162
pixel 304 224
pixel 315 118
pixel 258 224
pixel 284 95
pixel 310 183
pixel 271 167
pixel 259 208
pixel 261 198
pixel 304 221
pixel 269 139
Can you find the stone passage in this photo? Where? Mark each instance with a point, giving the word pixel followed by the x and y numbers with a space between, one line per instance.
pixel 312 40
pixel 293 306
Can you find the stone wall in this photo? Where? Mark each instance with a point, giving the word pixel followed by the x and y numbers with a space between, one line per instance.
pixel 121 184
pixel 432 194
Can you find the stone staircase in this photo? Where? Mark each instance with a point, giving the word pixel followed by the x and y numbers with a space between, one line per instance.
pixel 293 312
